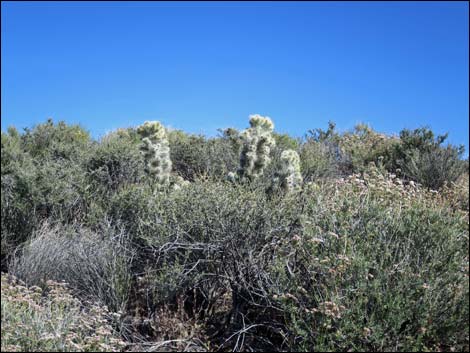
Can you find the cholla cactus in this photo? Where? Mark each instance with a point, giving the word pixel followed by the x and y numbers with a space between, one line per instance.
pixel 178 182
pixel 156 151
pixel 289 177
pixel 257 143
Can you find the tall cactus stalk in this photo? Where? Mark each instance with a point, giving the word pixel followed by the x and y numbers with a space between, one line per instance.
pixel 289 177
pixel 156 151
pixel 257 142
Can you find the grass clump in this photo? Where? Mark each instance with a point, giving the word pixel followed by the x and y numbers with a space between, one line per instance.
pixel 95 267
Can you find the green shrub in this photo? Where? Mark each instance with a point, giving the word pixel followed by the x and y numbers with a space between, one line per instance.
pixel 357 259
pixel 195 156
pixel 363 145
pixel 42 184
pixel 285 142
pixel 55 141
pixel 321 155
pixel 456 194
pixel 422 158
pixel 332 268
pixel 114 162
pixel 209 235
pixel 17 178
pixel 318 160
pixel 370 275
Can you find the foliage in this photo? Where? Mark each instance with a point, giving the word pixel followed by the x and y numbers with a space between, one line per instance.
pixel 55 140
pixel 285 142
pixel 422 158
pixel 308 262
pixel 53 320
pixel 363 145
pixel 41 177
pixel 360 257
pixel 196 156
pixel 96 267
pixel 321 155
pixel 113 163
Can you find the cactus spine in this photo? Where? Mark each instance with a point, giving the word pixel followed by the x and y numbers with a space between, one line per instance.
pixel 156 151
pixel 289 177
pixel 257 142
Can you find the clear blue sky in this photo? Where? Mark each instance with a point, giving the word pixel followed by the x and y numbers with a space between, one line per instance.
pixel 203 66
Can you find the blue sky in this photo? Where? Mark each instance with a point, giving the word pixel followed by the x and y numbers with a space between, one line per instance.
pixel 203 66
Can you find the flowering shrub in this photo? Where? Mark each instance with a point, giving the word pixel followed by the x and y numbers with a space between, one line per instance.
pixel 364 145
pixel 52 320
pixel 456 194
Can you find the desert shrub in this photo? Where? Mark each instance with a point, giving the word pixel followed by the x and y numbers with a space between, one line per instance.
pixel 55 141
pixel 38 190
pixel 285 142
pixel 232 135
pixel 187 154
pixel 113 162
pixel 321 155
pixel 362 265
pixel 59 190
pixel 456 194
pixel 358 258
pixel 369 274
pixel 422 158
pixel 364 145
pixel 434 168
pixel 133 205
pixel 136 208
pixel 12 151
pixel 35 320
pixel 17 178
pixel 95 266
pixel 41 177
pixel 206 239
pixel 318 161
pixel 194 156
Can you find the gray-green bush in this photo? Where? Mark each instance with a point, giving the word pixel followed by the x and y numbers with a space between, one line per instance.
pixel 94 266
pixel 422 158
pixel 370 261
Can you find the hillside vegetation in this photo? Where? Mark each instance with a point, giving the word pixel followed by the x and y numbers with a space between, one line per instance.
pixel 153 239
